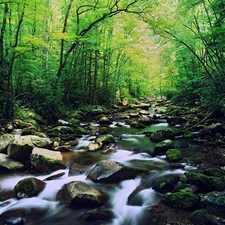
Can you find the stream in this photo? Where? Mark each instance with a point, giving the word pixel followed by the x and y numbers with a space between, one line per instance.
pixel 131 145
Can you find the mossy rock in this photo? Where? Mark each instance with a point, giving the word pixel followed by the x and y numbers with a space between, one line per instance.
pixel 162 147
pixel 216 172
pixel 218 183
pixel 29 187
pixel 105 139
pixel 173 155
pixel 182 200
pixel 202 181
pixel 199 217
pixel 166 184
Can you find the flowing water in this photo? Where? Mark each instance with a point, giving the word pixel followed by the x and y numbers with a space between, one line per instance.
pixel 52 212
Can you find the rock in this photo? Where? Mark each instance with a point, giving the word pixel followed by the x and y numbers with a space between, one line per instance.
pixel 61 122
pixel 5 139
pixel 28 130
pixel 105 120
pixel 199 217
pixel 181 200
pixel 137 124
pixel 94 215
pixel 218 183
pixel 202 181
pixel 8 163
pixel 29 187
pixel 61 130
pixel 162 147
pixel 20 148
pixel 173 121
pixel 215 202
pixel 94 146
pixel 41 142
pixel 46 160
pixel 78 194
pixel 166 184
pixel 216 172
pixel 111 171
pixel 13 217
pixel 146 121
pixel 105 139
pixel 144 112
pixel 74 122
pixel 161 135
pixel 173 155
pixel 20 124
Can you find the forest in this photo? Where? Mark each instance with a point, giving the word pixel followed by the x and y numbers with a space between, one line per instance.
pixel 59 55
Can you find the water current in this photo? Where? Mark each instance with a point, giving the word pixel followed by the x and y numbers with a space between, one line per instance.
pixel 128 141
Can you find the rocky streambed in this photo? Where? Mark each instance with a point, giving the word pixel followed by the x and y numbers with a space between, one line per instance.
pixel 146 163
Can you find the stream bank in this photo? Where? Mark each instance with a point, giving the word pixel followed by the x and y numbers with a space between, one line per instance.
pixel 116 153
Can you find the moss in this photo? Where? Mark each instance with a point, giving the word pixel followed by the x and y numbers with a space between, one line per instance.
pixel 199 217
pixel 50 161
pixel 173 155
pixel 24 186
pixel 183 200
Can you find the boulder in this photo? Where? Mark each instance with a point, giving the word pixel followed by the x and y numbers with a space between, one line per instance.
pixel 161 135
pixel 29 187
pixel 173 121
pixel 20 148
pixel 173 155
pixel 11 164
pixel 61 130
pixel 94 146
pixel 112 171
pixel 5 139
pixel 13 217
pixel 94 215
pixel 162 147
pixel 199 217
pixel 46 160
pixel 181 200
pixel 137 124
pixel 105 120
pixel 166 184
pixel 20 124
pixel 41 142
pixel 202 181
pixel 105 139
pixel 215 202
pixel 78 194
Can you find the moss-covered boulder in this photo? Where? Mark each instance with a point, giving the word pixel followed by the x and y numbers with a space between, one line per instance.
pixel 166 184
pixel 173 155
pixel 182 200
pixel 202 181
pixel 215 172
pixel 218 183
pixel 161 135
pixel 105 120
pixel 46 160
pixel 61 130
pixel 29 187
pixel 199 217
pixel 162 147
pixel 78 194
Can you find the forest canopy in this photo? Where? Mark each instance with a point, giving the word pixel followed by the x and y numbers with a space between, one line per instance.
pixel 63 54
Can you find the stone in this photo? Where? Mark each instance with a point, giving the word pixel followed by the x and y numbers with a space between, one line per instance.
pixel 173 155
pixel 199 217
pixel 165 184
pixel 137 124
pixel 8 163
pixel 5 139
pixel 112 171
pixel 78 194
pixel 94 215
pixel 41 142
pixel 196 178
pixel 105 120
pixel 162 147
pixel 20 148
pixel 13 217
pixel 215 202
pixel 46 160
pixel 105 139
pixel 29 187
pixel 181 200
pixel 161 135
pixel 94 146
